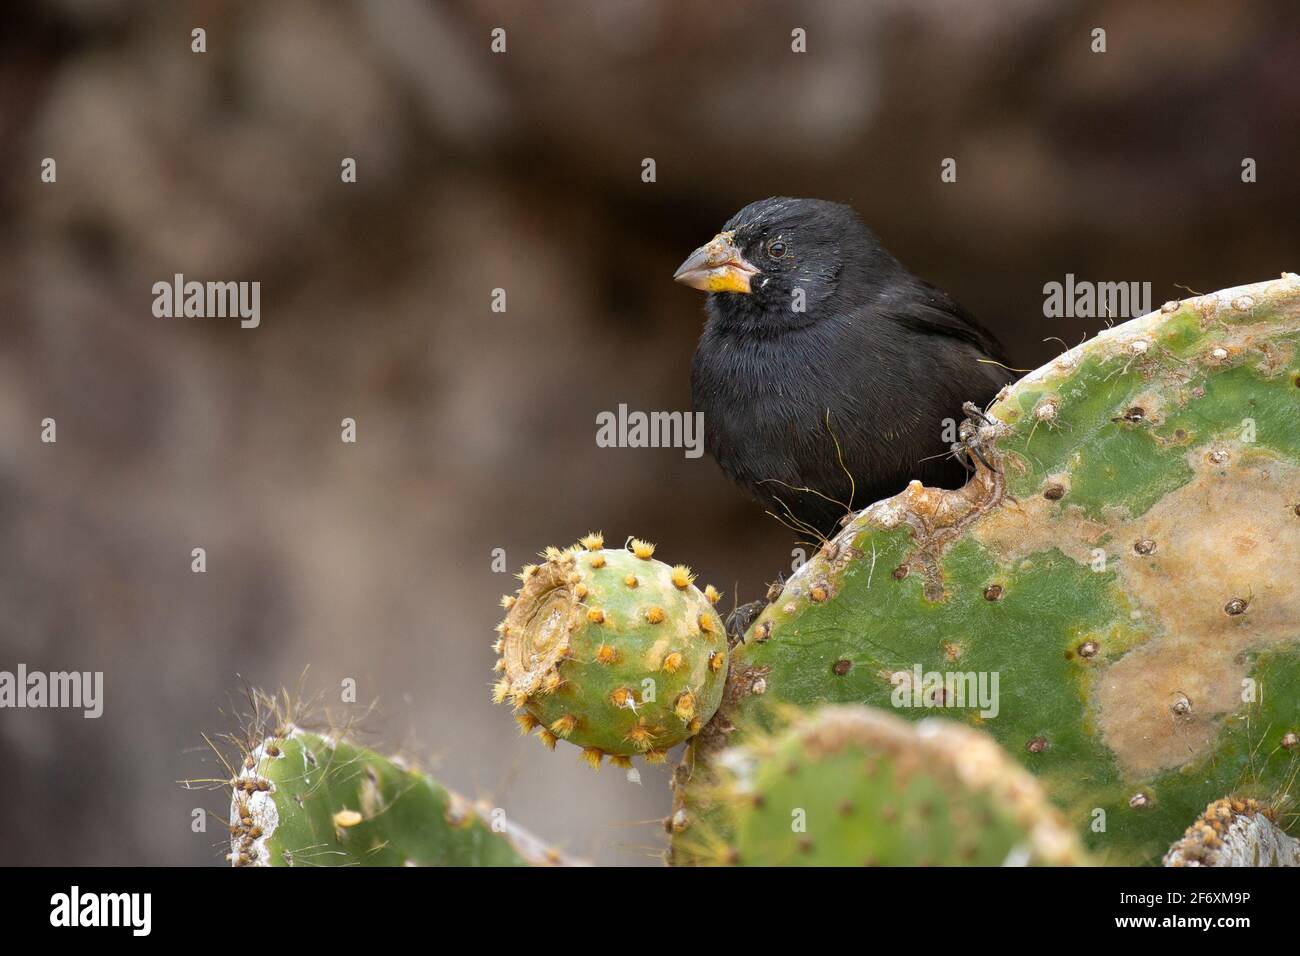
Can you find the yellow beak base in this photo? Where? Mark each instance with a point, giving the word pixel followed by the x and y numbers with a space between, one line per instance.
pixel 717 266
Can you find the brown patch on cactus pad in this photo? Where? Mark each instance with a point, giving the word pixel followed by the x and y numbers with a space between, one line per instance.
pixel 1222 536
pixel 1040 524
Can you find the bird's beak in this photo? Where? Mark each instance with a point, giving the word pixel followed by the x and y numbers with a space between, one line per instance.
pixel 717 266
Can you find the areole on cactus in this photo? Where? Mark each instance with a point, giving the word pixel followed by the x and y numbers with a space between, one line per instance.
pixel 611 650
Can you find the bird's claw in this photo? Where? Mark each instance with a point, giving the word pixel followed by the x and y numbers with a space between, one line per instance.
pixel 958 451
pixel 738 621
pixel 974 431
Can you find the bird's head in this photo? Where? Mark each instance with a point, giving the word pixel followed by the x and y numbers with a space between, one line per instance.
pixel 776 260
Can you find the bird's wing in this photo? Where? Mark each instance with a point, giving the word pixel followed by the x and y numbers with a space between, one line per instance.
pixel 930 310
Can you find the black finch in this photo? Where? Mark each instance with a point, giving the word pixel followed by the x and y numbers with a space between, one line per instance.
pixel 826 370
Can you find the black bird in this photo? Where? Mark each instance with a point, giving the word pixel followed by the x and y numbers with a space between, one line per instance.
pixel 826 370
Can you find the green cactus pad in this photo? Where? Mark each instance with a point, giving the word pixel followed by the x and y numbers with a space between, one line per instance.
pixel 612 650
pixel 853 786
pixel 305 799
pixel 1127 568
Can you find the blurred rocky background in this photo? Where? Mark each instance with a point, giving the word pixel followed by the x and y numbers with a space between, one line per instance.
pixel 476 429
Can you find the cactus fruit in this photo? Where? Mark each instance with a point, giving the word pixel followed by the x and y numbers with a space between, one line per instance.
pixel 851 785
pixel 611 650
pixel 306 799
pixel 1125 563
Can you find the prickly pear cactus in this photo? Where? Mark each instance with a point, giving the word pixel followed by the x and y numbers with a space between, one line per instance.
pixel 1235 832
pixel 1115 597
pixel 305 799
pixel 853 786
pixel 611 650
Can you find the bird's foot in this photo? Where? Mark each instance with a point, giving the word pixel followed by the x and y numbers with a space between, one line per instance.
pixel 739 620
pixel 975 413
pixel 975 438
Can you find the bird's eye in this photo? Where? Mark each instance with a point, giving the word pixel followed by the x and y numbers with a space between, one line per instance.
pixel 776 248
